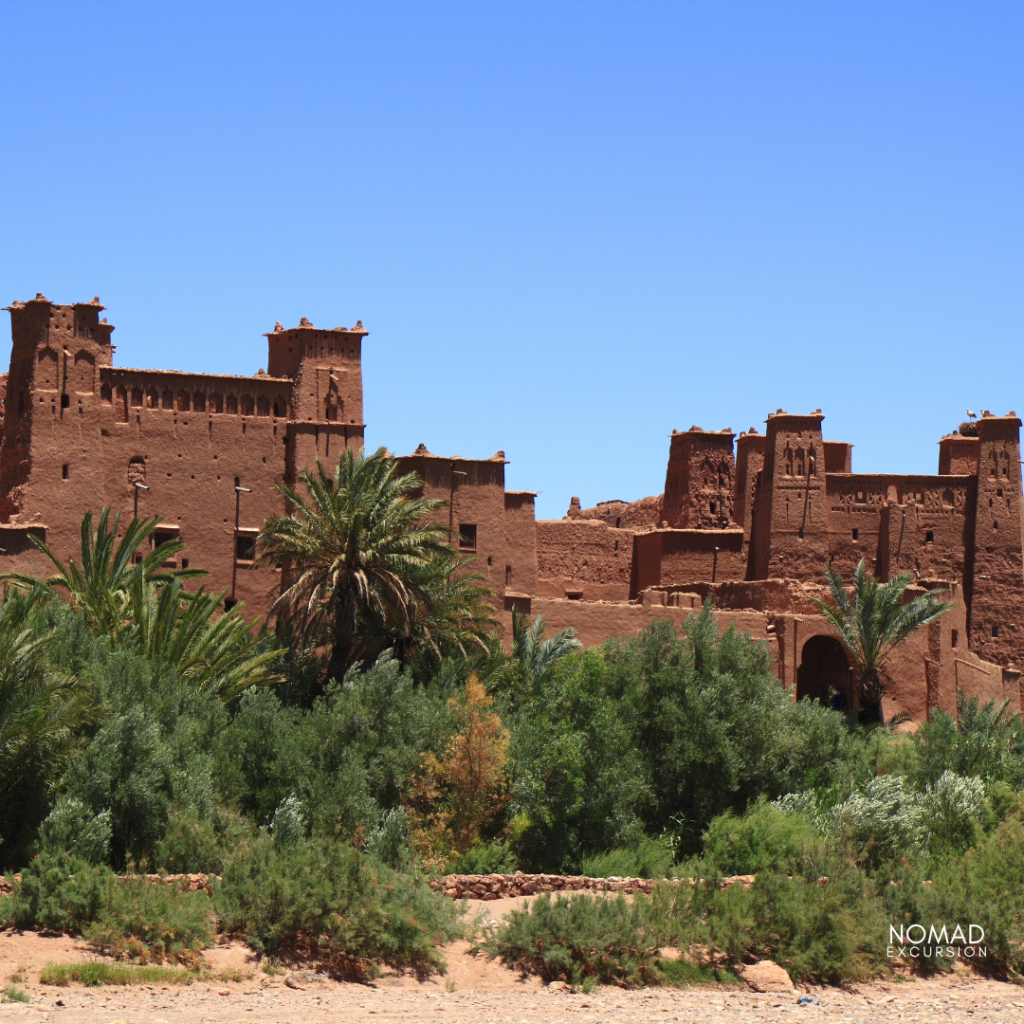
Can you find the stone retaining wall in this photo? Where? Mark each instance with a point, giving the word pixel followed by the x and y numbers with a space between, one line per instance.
pixel 496 887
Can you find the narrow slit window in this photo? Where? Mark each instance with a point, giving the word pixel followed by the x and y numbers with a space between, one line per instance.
pixel 929 537
pixel 856 534
pixel 995 631
pixel 64 471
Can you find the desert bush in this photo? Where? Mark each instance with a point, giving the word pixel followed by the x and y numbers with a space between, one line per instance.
pixel 831 929
pixel 485 859
pixel 583 939
pixel 149 921
pixel 885 820
pixel 454 798
pixel 388 840
pixel 72 827
pixel 328 902
pixel 288 826
pixel 130 917
pixel 192 842
pixel 58 892
pixel 951 811
pixel 986 887
pixel 651 858
pixel 765 838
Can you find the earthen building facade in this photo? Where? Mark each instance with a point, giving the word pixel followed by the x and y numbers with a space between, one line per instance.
pixel 749 522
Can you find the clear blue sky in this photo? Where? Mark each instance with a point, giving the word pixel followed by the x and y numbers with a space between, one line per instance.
pixel 569 227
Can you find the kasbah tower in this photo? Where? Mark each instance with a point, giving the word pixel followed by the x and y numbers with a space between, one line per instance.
pixel 750 523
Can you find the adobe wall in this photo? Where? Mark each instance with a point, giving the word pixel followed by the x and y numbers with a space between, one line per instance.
pixel 585 557
pixel 680 556
pixel 597 621
pixel 473 491
pixel 900 523
pixel 521 580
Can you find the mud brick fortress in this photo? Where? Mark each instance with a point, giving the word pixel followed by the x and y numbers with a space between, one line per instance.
pixel 749 522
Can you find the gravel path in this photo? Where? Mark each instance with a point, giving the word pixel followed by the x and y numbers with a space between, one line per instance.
pixel 393 1001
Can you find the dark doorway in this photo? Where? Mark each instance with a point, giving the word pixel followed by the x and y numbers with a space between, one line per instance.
pixel 825 667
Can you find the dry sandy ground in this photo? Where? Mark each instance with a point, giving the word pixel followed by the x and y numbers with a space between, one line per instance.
pixel 475 990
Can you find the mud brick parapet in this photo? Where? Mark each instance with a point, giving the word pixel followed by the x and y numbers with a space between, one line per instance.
pixel 496 887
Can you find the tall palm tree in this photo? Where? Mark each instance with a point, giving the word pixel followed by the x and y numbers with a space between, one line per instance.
pixel 99 586
pixel 873 624
pixel 357 546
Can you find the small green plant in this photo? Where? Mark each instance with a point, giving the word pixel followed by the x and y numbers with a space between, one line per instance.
pixel 651 858
pixel 485 859
pixel 14 994
pixel 582 940
pixel 105 973
pixel 687 974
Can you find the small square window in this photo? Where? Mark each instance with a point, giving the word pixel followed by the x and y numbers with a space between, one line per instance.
pixel 184 563
pixel 574 595
pixel 929 537
pixel 467 536
pixel 995 631
pixel 856 534
pixel 229 603
pixel 64 471
pixel 245 547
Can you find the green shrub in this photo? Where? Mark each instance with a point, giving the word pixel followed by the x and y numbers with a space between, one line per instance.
pixel 59 893
pixel 129 917
pixel 986 887
pixel 71 826
pixel 833 930
pixel 884 821
pixel 328 902
pixel 583 939
pixel 765 838
pixel 388 840
pixel 486 859
pixel 952 809
pixel 192 842
pixel 152 921
pixel 651 858
pixel 288 826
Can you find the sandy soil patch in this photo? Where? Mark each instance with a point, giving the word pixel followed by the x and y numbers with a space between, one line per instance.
pixel 474 990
